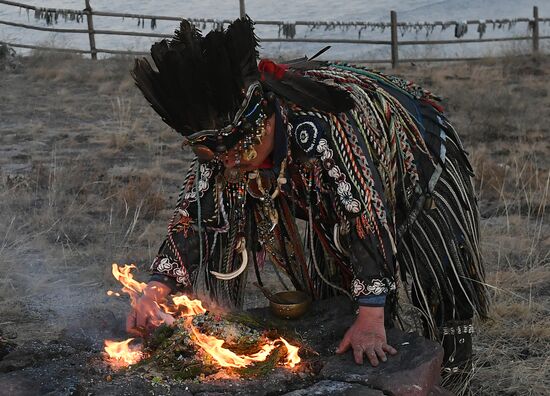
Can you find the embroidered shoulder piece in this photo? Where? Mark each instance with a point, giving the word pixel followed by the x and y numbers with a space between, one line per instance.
pixel 306 132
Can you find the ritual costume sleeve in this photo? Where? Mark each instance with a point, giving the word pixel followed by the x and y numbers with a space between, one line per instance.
pixel 358 198
pixel 190 231
pixel 371 281
pixel 373 278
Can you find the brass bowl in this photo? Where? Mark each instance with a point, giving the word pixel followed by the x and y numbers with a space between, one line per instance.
pixel 291 305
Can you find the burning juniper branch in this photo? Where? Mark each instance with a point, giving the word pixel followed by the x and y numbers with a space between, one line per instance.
pixel 192 341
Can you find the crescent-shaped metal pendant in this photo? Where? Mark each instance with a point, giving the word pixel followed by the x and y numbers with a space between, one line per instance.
pixel 241 248
pixel 336 238
pixel 274 217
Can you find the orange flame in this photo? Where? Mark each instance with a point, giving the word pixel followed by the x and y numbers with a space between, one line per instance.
pixel 292 358
pixel 131 286
pixel 121 354
pixel 124 355
pixel 225 357
pixel 194 307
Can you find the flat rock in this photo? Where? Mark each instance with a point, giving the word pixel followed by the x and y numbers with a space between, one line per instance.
pixel 415 370
pixel 335 388
pixel 275 383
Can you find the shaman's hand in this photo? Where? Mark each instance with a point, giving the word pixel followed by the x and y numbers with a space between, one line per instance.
pixel 367 336
pixel 146 315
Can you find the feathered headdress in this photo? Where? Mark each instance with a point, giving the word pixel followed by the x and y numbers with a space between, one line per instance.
pixel 209 89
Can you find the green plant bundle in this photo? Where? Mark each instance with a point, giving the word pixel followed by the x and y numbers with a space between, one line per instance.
pixel 173 352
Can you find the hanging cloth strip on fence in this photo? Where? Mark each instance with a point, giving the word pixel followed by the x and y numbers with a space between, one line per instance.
pixel 481 28
pixel 51 15
pixel 461 29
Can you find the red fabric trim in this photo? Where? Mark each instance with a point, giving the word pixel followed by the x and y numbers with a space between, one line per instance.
pixel 267 66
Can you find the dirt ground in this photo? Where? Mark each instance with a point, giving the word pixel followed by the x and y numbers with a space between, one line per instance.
pixel 89 176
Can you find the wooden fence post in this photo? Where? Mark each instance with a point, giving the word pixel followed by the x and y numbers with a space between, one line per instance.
pixel 535 29
pixel 394 45
pixel 89 18
pixel 242 11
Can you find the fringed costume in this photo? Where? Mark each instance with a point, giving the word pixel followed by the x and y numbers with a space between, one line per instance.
pixel 367 189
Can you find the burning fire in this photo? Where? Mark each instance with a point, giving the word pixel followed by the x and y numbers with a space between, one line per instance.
pixel 122 354
pixel 225 357
pixel 194 307
pixel 292 358
pixel 131 287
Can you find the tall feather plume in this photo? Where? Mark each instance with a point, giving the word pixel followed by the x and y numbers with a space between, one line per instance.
pixel 199 80
pixel 187 35
pixel 223 90
pixel 242 46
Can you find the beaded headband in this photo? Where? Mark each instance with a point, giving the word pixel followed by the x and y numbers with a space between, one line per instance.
pixel 246 130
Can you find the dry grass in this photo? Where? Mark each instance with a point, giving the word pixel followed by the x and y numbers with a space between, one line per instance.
pixel 501 109
pixel 83 185
pixel 89 175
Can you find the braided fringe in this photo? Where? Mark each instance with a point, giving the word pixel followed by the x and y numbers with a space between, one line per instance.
pixel 449 288
pixel 440 252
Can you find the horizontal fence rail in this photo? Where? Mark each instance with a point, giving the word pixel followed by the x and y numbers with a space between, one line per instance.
pixel 393 26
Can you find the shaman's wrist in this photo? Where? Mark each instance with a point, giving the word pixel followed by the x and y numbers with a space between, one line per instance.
pixel 371 316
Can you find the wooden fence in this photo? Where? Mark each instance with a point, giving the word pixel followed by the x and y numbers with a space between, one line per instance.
pixel 393 25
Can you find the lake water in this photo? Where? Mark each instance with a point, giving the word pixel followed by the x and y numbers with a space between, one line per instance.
pixel 286 10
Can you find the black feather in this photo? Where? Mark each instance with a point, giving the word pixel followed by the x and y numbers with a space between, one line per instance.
pixel 199 82
pixel 242 46
pixel 310 94
pixel 223 89
pixel 304 64
pixel 187 35
pixel 148 83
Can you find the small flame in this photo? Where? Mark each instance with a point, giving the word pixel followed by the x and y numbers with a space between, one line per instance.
pixel 112 293
pixel 225 357
pixel 194 307
pixel 131 286
pixel 121 353
pixel 292 358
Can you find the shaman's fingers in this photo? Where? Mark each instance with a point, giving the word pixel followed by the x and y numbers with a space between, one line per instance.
pixel 380 353
pixel 371 355
pixel 389 349
pixel 358 354
pixel 344 345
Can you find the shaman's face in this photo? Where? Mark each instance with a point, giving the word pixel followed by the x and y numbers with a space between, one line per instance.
pixel 233 157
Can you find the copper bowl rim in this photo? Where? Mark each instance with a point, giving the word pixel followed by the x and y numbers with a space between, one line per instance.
pixel 306 299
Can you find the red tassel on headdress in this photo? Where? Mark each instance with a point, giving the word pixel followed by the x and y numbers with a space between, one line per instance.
pixel 276 70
